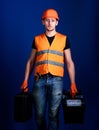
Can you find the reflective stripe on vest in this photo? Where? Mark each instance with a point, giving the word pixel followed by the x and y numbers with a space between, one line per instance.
pixel 49 51
pixel 50 62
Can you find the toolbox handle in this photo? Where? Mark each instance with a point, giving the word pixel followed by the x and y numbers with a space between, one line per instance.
pixel 67 94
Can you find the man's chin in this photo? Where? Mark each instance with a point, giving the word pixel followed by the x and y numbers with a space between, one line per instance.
pixel 50 29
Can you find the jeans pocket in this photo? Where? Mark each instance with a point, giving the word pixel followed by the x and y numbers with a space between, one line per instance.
pixel 58 78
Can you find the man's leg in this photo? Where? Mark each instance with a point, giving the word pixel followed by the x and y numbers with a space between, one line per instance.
pixel 39 99
pixel 54 99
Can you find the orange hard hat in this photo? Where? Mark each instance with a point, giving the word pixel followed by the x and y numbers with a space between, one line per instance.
pixel 50 13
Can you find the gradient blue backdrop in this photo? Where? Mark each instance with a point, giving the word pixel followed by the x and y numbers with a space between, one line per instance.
pixel 20 21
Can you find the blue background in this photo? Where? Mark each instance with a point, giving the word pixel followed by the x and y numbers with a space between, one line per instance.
pixel 20 21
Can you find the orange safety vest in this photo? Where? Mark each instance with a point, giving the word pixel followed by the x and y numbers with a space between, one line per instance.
pixel 50 58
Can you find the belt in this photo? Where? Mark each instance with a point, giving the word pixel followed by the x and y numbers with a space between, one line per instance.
pixel 47 75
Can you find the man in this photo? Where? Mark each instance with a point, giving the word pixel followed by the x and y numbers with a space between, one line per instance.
pixel 49 50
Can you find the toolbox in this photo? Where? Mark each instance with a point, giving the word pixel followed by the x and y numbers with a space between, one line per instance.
pixel 22 107
pixel 73 108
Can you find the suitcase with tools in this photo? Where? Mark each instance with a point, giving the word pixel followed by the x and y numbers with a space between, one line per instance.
pixel 73 108
pixel 22 107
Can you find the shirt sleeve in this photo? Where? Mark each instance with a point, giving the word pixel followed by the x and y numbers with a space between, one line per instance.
pixel 33 44
pixel 67 44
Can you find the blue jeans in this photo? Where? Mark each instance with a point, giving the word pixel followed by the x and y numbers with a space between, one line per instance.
pixel 47 89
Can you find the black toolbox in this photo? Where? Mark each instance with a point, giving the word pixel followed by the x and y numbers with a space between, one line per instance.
pixel 73 108
pixel 22 107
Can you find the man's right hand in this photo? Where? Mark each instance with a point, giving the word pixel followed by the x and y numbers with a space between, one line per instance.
pixel 73 89
pixel 24 86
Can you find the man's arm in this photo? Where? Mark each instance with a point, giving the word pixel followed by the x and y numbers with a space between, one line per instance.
pixel 71 71
pixel 70 65
pixel 28 70
pixel 30 64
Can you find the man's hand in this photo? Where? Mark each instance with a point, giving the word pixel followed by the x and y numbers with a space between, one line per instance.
pixel 24 86
pixel 73 89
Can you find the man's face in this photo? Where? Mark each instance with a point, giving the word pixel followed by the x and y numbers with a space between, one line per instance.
pixel 50 23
